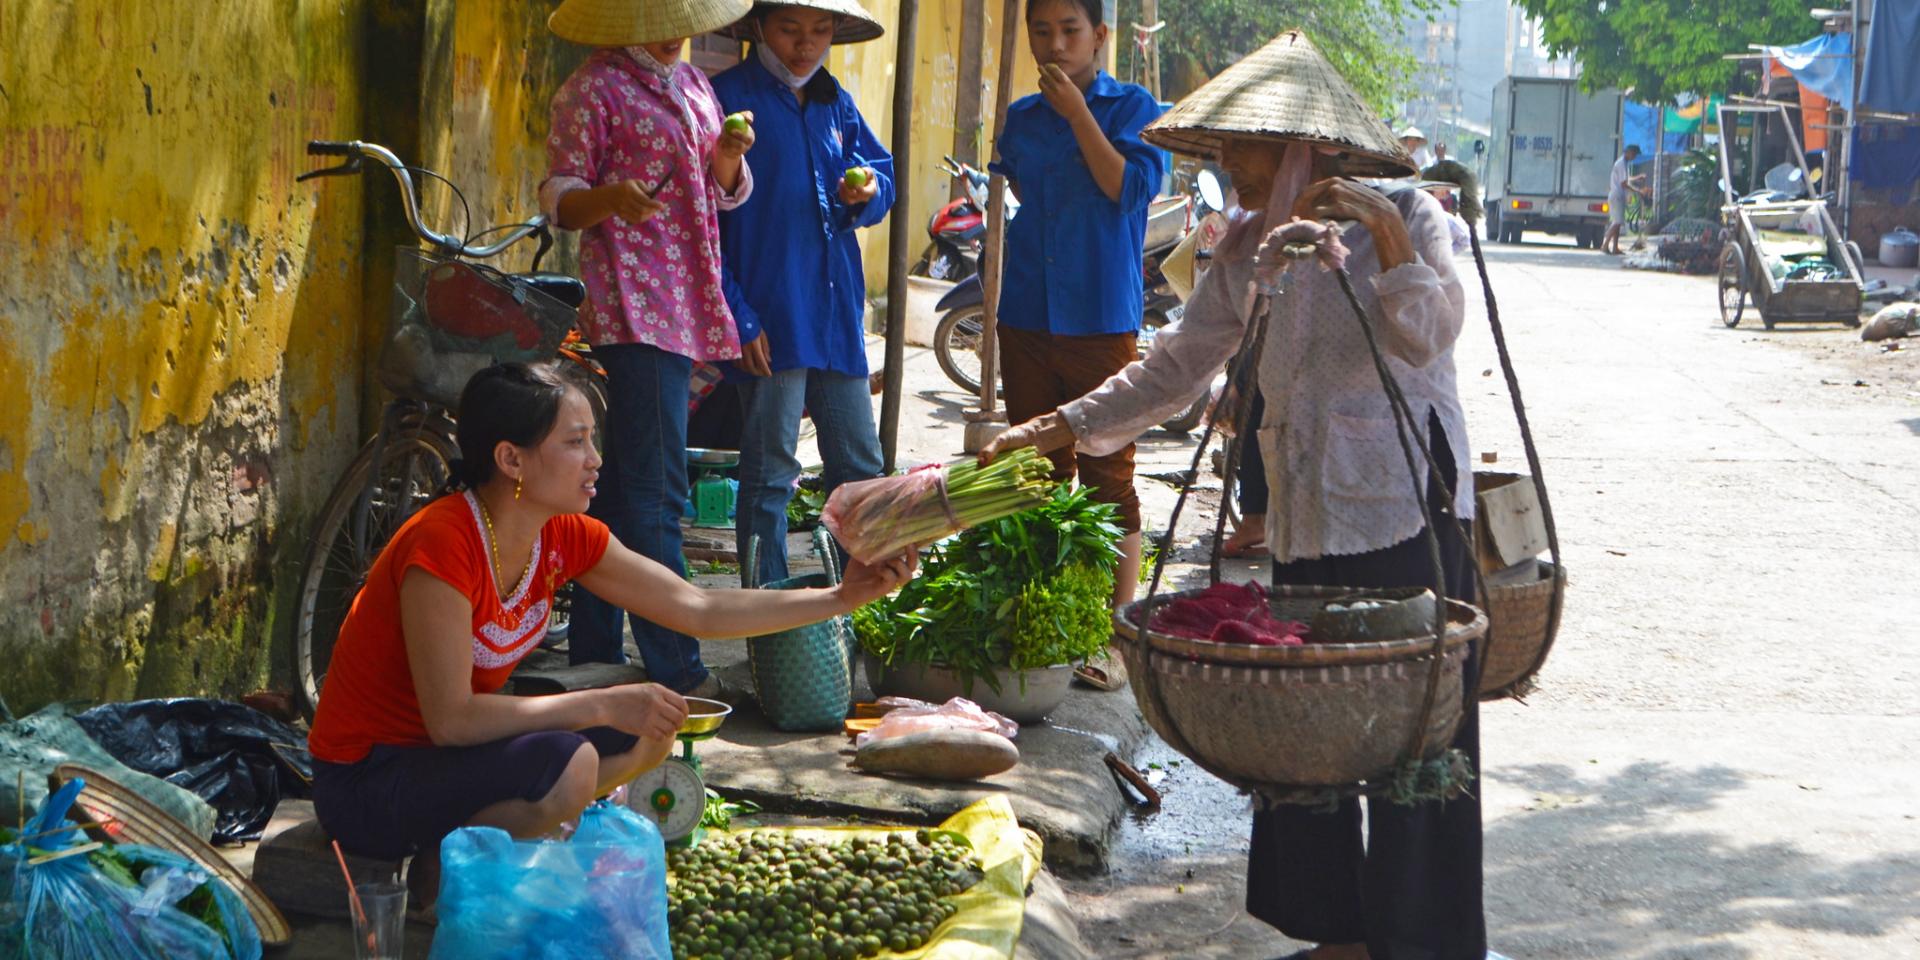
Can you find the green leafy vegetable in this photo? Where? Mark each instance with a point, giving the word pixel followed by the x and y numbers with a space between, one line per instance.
pixel 803 509
pixel 1026 591
pixel 719 812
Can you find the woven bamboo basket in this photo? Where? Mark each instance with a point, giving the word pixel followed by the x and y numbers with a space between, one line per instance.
pixel 1303 717
pixel 1521 622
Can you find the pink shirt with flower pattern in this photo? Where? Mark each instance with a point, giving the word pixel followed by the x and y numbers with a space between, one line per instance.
pixel 622 117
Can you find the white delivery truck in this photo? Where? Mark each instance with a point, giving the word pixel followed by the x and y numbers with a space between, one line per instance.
pixel 1552 153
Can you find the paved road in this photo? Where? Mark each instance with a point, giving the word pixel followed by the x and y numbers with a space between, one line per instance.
pixel 1721 761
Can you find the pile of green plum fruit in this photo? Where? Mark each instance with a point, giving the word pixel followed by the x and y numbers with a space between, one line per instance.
pixel 771 896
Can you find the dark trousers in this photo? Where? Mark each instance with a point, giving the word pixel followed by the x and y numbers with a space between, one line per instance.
pixel 643 491
pixel 1411 890
pixel 1250 470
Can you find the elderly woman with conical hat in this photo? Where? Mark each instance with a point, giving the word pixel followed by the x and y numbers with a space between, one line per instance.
pixel 641 163
pixel 1290 132
pixel 792 261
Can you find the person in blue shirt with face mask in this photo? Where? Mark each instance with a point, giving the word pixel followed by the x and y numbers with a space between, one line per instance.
pixel 791 262
pixel 1071 299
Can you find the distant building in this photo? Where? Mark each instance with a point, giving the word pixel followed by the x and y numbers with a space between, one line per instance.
pixel 1462 52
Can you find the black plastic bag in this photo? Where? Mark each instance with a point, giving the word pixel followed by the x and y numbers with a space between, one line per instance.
pixel 236 758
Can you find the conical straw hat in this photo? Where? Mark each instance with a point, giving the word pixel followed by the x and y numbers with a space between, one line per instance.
pixel 856 24
pixel 623 23
pixel 1283 91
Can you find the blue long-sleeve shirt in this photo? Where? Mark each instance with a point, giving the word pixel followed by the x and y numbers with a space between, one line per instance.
pixel 791 264
pixel 1073 253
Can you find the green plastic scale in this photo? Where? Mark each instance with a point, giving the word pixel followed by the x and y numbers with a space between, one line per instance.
pixel 674 794
pixel 712 496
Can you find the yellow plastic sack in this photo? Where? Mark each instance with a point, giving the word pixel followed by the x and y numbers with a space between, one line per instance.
pixel 987 924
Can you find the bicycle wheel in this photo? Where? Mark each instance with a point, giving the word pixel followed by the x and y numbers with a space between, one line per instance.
pixel 1733 285
pixel 412 470
pixel 956 344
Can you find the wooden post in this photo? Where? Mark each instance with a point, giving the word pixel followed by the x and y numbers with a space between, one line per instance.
pixel 981 422
pixel 900 227
pixel 968 80
pixel 1150 14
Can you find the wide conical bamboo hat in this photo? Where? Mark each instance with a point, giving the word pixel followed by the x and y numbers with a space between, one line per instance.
pixel 856 24
pixel 624 23
pixel 1283 91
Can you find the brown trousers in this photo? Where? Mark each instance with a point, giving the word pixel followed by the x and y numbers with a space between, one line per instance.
pixel 1041 371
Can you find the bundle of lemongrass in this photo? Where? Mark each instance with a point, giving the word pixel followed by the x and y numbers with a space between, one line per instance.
pixel 875 519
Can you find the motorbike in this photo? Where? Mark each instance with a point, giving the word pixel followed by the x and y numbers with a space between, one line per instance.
pixel 958 229
pixel 957 337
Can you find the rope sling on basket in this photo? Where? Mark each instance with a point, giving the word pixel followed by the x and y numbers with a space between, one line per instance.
pixel 1523 618
pixel 1341 692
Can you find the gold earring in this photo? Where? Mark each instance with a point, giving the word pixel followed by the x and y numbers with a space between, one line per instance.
pixel 516 489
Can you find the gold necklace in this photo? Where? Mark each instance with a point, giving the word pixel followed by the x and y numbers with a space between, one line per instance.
pixel 493 549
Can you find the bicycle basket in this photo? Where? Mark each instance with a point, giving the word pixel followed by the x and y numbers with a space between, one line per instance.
pixel 453 318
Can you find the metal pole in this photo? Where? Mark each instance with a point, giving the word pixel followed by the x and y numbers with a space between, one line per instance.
pixel 1660 163
pixel 993 252
pixel 1845 193
pixel 900 229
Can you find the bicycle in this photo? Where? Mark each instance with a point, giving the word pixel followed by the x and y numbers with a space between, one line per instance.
pixel 452 315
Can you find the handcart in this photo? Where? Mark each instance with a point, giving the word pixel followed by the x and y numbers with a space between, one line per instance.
pixel 1784 251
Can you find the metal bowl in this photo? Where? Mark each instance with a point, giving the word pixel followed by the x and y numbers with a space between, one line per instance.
pixel 703 717
pixel 1402 612
pixel 713 458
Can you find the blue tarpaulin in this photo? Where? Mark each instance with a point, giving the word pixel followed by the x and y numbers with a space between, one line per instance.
pixel 1823 64
pixel 1891 79
pixel 1886 154
pixel 1637 127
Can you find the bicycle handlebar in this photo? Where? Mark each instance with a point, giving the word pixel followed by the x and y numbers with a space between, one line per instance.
pixel 443 243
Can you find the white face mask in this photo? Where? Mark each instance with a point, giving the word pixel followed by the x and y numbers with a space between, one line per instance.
pixel 771 61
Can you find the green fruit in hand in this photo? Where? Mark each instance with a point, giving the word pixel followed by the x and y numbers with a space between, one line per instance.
pixel 737 123
pixel 856 177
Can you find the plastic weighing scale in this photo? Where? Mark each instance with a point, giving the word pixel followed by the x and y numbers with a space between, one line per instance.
pixel 712 496
pixel 674 794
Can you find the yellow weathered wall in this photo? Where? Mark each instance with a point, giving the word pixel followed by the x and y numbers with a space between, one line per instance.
pixel 180 346
pixel 490 73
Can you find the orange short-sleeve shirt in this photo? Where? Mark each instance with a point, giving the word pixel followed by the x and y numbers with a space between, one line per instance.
pixel 369 696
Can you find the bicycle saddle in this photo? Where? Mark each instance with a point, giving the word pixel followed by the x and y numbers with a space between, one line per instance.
pixel 559 286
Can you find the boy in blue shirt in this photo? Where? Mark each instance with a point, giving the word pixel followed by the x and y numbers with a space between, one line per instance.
pixel 1072 295
pixel 792 264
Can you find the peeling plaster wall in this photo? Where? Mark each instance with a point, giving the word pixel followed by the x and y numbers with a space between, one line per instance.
pixel 180 333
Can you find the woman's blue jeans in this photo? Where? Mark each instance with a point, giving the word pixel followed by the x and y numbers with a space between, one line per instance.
pixel 642 493
pixel 842 411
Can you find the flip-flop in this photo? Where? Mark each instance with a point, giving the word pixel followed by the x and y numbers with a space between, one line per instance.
pixel 1246 552
pixel 1111 677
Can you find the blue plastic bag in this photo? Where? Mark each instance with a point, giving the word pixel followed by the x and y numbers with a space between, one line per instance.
pixel 601 893
pixel 133 908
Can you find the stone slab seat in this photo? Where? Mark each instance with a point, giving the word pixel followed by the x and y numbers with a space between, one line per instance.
pixel 297 870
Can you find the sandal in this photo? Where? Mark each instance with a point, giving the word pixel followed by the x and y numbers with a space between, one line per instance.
pixel 1109 677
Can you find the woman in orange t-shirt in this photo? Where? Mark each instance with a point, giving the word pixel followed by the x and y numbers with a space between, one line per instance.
pixel 412 739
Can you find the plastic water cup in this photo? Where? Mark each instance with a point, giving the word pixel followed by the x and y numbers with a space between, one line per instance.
pixel 377 933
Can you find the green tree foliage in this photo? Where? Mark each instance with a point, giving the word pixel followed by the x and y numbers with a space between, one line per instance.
pixel 1362 38
pixel 1662 48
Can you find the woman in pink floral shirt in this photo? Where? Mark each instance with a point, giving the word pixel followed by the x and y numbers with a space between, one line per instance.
pixel 639 163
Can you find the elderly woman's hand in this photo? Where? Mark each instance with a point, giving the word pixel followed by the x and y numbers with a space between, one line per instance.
pixel 1341 199
pixel 1298 240
pixel 1045 434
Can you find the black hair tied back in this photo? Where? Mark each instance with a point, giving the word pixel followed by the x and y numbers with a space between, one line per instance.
pixel 513 403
